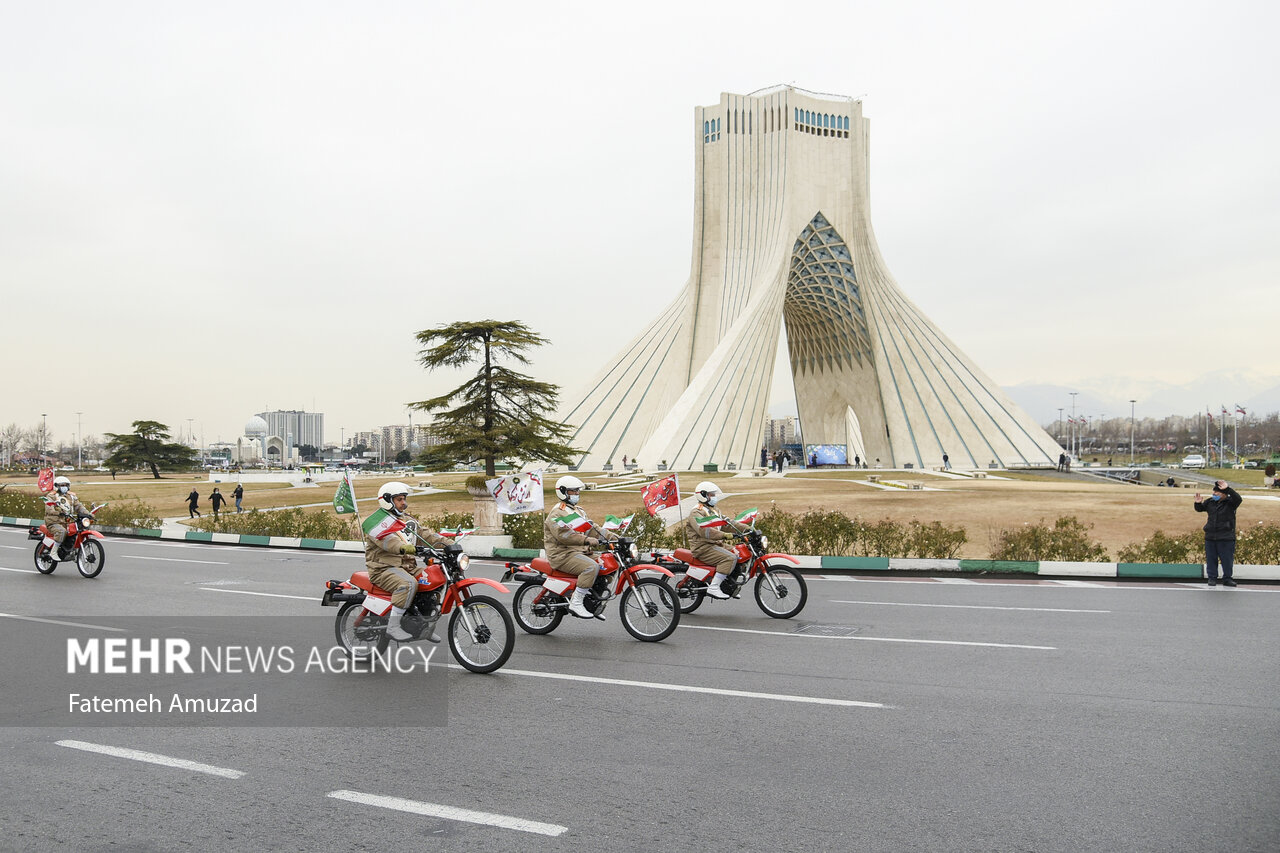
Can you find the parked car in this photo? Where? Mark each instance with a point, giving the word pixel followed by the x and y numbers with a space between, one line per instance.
pixel 1195 460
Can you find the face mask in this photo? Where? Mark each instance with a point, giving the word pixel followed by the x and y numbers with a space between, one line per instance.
pixel 1216 498
pixel 63 489
pixel 713 500
pixel 571 500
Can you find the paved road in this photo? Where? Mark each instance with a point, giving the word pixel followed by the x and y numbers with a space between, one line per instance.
pixel 895 714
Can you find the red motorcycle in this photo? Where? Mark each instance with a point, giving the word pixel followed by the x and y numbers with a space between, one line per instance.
pixel 481 635
pixel 780 590
pixel 647 605
pixel 81 545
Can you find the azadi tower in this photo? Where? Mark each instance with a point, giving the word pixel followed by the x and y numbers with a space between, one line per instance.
pixel 782 234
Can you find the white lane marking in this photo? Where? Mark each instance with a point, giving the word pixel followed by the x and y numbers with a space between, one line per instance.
pixel 58 622
pixel 267 594
pixel 684 688
pixel 874 639
pixel 24 571
pixel 152 758
pixel 1085 584
pixel 14 547
pixel 953 580
pixel 451 813
pixel 970 606
pixel 172 560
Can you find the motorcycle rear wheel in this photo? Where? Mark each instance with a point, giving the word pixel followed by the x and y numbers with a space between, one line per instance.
pixel 45 564
pixel 344 628
pixel 790 596
pixel 691 595
pixel 493 641
pixel 523 608
pixel 91 558
pixel 650 610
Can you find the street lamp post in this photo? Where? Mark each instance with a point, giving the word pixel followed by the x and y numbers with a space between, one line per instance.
pixel 1075 433
pixel 79 442
pixel 44 434
pixel 1060 408
pixel 1131 404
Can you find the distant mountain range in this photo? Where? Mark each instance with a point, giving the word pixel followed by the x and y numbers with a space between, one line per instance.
pixel 1109 396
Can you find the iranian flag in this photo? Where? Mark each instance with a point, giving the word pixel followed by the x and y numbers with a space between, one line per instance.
pixel 575 521
pixel 381 525
pixel 707 522
pixel 456 532
pixel 748 516
pixel 612 522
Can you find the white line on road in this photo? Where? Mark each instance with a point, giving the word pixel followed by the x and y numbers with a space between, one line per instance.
pixel 23 571
pixel 451 813
pixel 873 639
pixel 969 606
pixel 57 622
pixel 268 594
pixel 152 758
pixel 172 560
pixel 684 688
pixel 14 547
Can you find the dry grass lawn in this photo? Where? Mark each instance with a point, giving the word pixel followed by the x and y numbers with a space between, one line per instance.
pixel 1119 514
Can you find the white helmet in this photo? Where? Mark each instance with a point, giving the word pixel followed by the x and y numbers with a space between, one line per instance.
pixel 61 484
pixel 389 491
pixel 708 493
pixel 564 484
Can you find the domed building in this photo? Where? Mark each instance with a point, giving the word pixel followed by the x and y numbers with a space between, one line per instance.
pixel 257 446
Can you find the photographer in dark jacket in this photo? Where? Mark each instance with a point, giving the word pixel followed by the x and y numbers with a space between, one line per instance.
pixel 1219 531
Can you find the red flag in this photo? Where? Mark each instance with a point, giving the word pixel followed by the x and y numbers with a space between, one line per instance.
pixel 45 483
pixel 660 494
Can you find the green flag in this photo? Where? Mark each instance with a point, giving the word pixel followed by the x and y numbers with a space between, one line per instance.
pixel 345 499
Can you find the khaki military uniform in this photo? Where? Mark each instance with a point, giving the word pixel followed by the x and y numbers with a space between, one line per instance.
pixel 567 551
pixel 703 541
pixel 395 572
pixel 58 510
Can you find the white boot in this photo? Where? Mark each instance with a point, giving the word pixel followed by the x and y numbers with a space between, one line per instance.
pixel 576 607
pixel 713 588
pixel 394 629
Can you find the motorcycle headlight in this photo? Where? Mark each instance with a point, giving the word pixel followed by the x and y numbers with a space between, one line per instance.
pixel 635 552
pixel 764 542
pixel 464 560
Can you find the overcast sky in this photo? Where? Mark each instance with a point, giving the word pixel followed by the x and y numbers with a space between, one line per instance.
pixel 211 209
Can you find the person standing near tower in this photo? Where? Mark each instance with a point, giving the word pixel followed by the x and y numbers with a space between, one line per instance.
pixel 1220 531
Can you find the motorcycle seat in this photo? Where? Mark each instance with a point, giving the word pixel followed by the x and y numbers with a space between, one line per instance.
pixel 361 580
pixel 541 564
pixel 684 555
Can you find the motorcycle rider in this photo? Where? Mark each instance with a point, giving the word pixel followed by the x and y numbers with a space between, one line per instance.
pixel 567 550
pixel 705 528
pixel 60 507
pixel 391 557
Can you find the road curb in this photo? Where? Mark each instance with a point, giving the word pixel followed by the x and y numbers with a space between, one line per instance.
pixel 1043 568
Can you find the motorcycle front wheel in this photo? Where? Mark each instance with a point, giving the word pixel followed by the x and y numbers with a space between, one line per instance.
pixel 91 558
pixel 535 618
pixel 691 595
pixel 45 564
pixel 488 646
pixel 360 636
pixel 781 592
pixel 650 610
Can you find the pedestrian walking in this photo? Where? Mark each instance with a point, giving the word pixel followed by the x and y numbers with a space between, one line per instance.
pixel 217 500
pixel 193 501
pixel 1219 531
pixel 238 494
pixel 946 462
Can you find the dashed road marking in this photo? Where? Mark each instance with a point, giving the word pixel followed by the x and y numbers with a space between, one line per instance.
pixel 451 813
pixel 875 639
pixel 152 758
